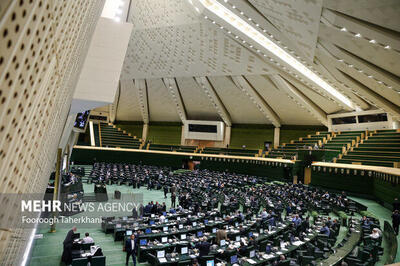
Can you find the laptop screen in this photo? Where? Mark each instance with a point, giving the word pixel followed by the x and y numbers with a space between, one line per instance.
pixel 143 242
pixel 199 234
pixel 164 239
pixel 161 254
pixel 252 254
pixel 222 242
pixel 128 232
pixel 183 236
pixel 234 259
pixel 210 263
pixel 148 230
pixel 184 250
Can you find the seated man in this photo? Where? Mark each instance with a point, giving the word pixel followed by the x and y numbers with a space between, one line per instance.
pixel 87 239
pixel 325 230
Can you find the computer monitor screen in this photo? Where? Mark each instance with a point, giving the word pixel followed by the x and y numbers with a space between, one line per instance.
pixel 153 215
pixel 161 254
pixel 268 249
pixel 261 231
pixel 151 222
pixel 210 263
pixel 165 228
pixel 180 226
pixel 164 213
pixel 237 238
pixel 199 234
pixel 184 250
pixel 178 218
pixel 183 237
pixel 205 221
pixel 166 220
pixel 214 230
pixel 143 242
pixel 194 224
pixel 164 239
pixel 118 226
pixel 124 218
pixel 222 242
pixel 128 232
pixel 236 224
pixel 148 230
pixel 252 253
pixel 250 234
pixel 81 121
pixel 234 259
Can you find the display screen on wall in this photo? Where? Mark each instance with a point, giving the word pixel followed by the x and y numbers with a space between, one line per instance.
pixel 203 128
pixel 81 120
pixel 372 118
pixel 344 120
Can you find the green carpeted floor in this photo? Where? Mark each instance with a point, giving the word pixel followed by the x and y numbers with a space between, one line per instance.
pixel 48 250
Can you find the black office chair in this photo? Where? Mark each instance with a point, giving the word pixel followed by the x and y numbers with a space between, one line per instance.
pixel 284 263
pixel 80 262
pixel 86 246
pixel 185 262
pixel 98 261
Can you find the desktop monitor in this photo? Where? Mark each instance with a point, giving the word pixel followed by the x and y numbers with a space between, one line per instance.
pixel 118 226
pixel 252 254
pixel 261 231
pixel 128 232
pixel 183 237
pixel 236 224
pixel 268 249
pixel 161 254
pixel 214 230
pixel 250 234
pixel 166 220
pixel 124 218
pixel 205 221
pixel 222 242
pixel 151 222
pixel 234 259
pixel 178 218
pixel 194 224
pixel 210 263
pixel 164 239
pixel 165 228
pixel 164 213
pixel 199 234
pixel 148 231
pixel 153 215
pixel 237 238
pixel 180 226
pixel 143 242
pixel 184 250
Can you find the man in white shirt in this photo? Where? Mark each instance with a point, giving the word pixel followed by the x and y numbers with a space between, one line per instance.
pixel 162 219
pixel 87 239
pixel 376 233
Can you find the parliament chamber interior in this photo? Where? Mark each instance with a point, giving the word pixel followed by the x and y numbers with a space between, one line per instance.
pixel 199 132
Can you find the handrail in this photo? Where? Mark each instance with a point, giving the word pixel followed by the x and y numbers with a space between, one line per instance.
pixel 285 161
pixel 380 169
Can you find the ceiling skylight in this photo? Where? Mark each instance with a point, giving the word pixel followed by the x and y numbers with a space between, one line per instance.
pixel 243 26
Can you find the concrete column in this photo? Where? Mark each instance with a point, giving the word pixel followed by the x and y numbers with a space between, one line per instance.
pixel 145 131
pixel 277 135
pixel 183 135
pixel 227 137
pixel 92 142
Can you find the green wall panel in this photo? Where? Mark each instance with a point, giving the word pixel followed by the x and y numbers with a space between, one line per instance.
pixel 251 136
pixel 289 133
pixel 136 129
pixel 165 134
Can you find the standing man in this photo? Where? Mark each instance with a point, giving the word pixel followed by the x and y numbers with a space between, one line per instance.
pixel 396 221
pixel 173 199
pixel 68 241
pixel 165 191
pixel 131 249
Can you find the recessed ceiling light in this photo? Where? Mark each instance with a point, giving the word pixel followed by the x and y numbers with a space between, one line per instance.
pixel 387 47
pixel 372 41
pixel 343 29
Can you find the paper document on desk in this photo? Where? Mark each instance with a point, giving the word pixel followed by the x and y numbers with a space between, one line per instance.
pixel 251 261
pixel 265 256
pixel 162 260
pixel 297 243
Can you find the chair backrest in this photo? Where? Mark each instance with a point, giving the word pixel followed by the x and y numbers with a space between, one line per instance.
pixel 86 246
pixel 98 261
pixel 185 262
pixel 80 262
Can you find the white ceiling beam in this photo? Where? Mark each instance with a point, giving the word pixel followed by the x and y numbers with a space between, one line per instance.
pixel 258 101
pixel 300 98
pixel 208 88
pixel 141 89
pixel 176 97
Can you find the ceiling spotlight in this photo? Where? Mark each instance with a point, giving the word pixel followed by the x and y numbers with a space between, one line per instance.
pixel 241 13
pixel 358 35
pixel 387 47
pixel 205 17
pixel 249 18
pixel 213 22
pixel 229 32
pixel 117 19
pixel 225 1
pixel 233 7
pixel 370 76
pixel 350 65
pixel 380 82
pixel 360 71
pixel 343 29
pixel 221 27
pixel 372 41
pixel 257 24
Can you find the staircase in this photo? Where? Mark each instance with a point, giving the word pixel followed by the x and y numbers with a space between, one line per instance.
pixel 111 136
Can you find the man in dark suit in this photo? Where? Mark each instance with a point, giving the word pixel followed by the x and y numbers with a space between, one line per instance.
pixel 203 247
pixel 131 248
pixel 396 221
pixel 68 241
